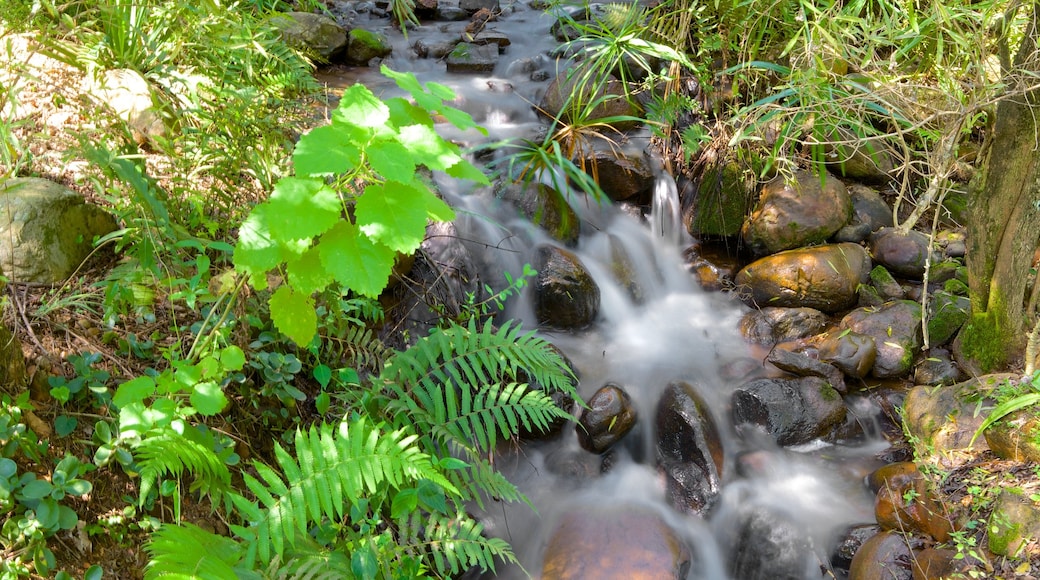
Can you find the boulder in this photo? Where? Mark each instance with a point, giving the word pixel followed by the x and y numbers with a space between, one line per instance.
pixel 791 214
pixel 909 506
pixel 546 208
pixel 771 325
pixel 472 58
pixel 865 161
pixel 801 364
pixel 472 6
pixel 937 368
pixel 849 543
pixel 622 174
pixel 885 555
pixel 903 253
pixel 1015 521
pixel 127 93
pixel 609 417
pixel 896 330
pixel 711 265
pixel 365 45
pixel 566 296
pixel 570 89
pixel 689 448
pixel 316 34
pixel 868 207
pixel 886 285
pixel 46 230
pixel 851 352
pixel 792 411
pixel 824 277
pixel 717 203
pixel 947 313
pixel 770 546
pixel 1016 437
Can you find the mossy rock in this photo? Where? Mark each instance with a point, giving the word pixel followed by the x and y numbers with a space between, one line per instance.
pixel 1014 522
pixel 720 201
pixel 365 45
pixel 947 313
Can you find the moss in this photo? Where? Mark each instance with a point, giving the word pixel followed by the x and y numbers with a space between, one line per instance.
pixel 984 342
pixel 828 393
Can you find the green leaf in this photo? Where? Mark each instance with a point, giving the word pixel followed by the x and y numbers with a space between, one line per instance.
pixel 403 113
pixel 301 209
pixel 208 399
pixel 355 260
pixel 405 502
pixel 394 214
pixel 256 251
pixel 432 496
pixel 37 489
pixel 328 150
pixel 466 170
pixel 323 374
pixel 428 147
pixel 392 160
pixel 7 467
pixel 293 314
pixel 66 518
pixel 95 572
pixel 358 106
pixel 134 391
pixel 232 358
pixel 363 563
pixel 322 402
pixel 307 274
pixel 47 514
pixel 63 425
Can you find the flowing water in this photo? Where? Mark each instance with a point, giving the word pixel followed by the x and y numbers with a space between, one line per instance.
pixel 671 330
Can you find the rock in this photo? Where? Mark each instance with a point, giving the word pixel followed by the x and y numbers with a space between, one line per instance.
pixel 46 230
pixel 865 161
pixel 127 93
pixel 947 313
pixel 792 411
pixel 472 6
pixel 718 202
pixel 850 542
pixel 491 37
pixel 426 9
pixel 712 266
pixel 940 564
pixel 824 277
pixel 609 417
pixel 315 33
pixel 1016 437
pixel 546 208
pixel 364 45
pixel 1015 521
pixel 893 475
pixel 689 448
pixel 624 270
pixel 937 368
pixel 622 174
pixel 769 546
pixel 614 542
pixel 802 365
pixel 472 58
pixel 851 352
pixel 771 325
pixel 904 254
pixel 436 50
pixel 944 417
pixel 805 211
pixel 557 102
pixel 868 207
pixel 896 330
pixel 854 232
pixel 886 285
pixel 566 296
pixel 911 508
pixel 886 555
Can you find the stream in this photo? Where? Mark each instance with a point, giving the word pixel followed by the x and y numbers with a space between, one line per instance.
pixel 779 511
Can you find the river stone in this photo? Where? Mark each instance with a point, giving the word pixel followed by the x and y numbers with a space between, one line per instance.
pixel 46 230
pixel 1015 521
pixel 425 48
pixel 472 6
pixel 606 542
pixel 851 352
pixel 624 271
pixel 824 277
pixel 944 417
pixel 947 313
pixel 1016 437
pixel 886 555
pixel 792 411
pixel 472 58
pixel 365 45
pixel 718 201
pixel 802 365
pixel 622 174
pixel 941 564
pixel 896 330
pixel 712 265
pixel 865 161
pixel 769 546
pixel 689 448
pixel 557 102
pixel 793 214
pixel 850 542
pixel 911 507
pixel 937 368
pixel 886 285
pixel 870 208
pixel 491 37
pixel 545 207
pixel 904 254
pixel 130 96
pixel 608 418
pixel 315 33
pixel 566 296
pixel 771 324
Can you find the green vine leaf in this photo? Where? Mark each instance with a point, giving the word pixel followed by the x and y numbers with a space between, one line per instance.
pixel 392 160
pixel 208 399
pixel 356 261
pixel 394 214
pixel 293 314
pixel 328 150
pixel 307 274
pixel 134 391
pixel 294 197
pixel 359 107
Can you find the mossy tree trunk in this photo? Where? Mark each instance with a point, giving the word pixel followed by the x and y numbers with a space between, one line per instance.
pixel 1004 220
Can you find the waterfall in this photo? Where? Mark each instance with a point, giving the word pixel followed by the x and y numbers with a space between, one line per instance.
pixel 665 215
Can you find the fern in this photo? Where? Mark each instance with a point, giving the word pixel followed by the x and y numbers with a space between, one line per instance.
pixel 454 544
pixel 166 451
pixel 188 552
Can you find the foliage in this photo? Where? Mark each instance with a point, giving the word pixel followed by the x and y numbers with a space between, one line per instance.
pixel 1012 399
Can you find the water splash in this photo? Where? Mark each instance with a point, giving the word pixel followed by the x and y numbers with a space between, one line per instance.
pixel 665 215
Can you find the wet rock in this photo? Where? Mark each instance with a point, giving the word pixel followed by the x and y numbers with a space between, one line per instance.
pixel 130 96
pixel 769 546
pixel 614 542
pixel 472 58
pixel 893 475
pixel 545 207
pixel 1015 521
pixel 566 296
pixel 426 9
pixel 315 33
pixel 472 6
pixel 851 352
pixel 911 507
pixel 896 330
pixel 717 203
pixel 944 417
pixel 611 97
pixel 939 564
pixel 622 174
pixel 610 416
pixel 868 207
pixel 947 313
pixel 850 542
pixel 854 232
pixel 771 325
pixel 46 230
pixel 1016 437
pixel 573 463
pixel 886 285
pixel 712 266
pixel 885 555
pixel 865 161
pixel 802 365
pixel 689 448
pixel 823 277
pixel 937 368
pixel 624 270
pixel 791 215
pixel 364 45
pixel 904 254
pixel 423 48
pixel 792 411
pixel 492 37
pixel 942 272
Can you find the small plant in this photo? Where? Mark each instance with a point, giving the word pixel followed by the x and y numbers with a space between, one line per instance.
pixel 1010 399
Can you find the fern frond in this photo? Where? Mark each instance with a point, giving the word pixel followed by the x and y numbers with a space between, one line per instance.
pixel 333 469
pixel 169 452
pixel 311 562
pixel 479 479
pixel 454 544
pixel 361 348
pixel 188 552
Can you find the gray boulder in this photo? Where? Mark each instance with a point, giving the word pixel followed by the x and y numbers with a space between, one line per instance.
pixel 566 296
pixel 903 253
pixel 792 411
pixel 472 58
pixel 896 330
pixel 689 448
pixel 364 45
pixel 315 33
pixel 806 210
pixel 771 324
pixel 130 96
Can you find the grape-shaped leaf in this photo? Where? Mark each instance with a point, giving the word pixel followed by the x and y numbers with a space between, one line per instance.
pixel 356 261
pixel 358 106
pixel 428 147
pixel 307 274
pixel 134 391
pixel 256 252
pixel 301 208
pixel 208 399
pixel 394 214
pixel 432 98
pixel 293 314
pixel 391 160
pixel 232 358
pixel 466 170
pixel 329 150
pixel 403 113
